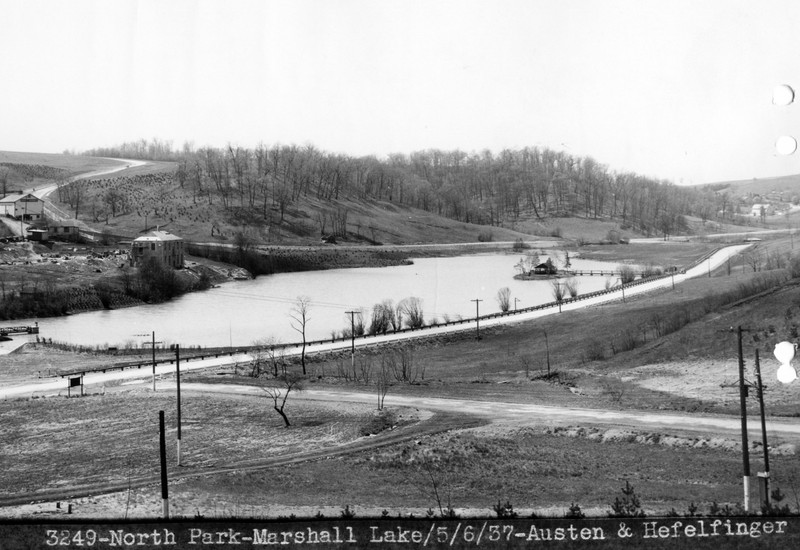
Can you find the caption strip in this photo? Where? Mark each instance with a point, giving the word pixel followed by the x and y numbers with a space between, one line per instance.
pixel 364 533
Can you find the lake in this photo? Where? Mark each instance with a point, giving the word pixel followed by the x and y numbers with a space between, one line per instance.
pixel 242 312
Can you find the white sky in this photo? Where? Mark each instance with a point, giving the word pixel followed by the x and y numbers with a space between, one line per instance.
pixel 680 90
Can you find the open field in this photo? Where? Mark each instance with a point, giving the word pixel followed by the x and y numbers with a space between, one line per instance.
pixel 37 173
pixel 537 469
pixel 111 439
pixel 74 163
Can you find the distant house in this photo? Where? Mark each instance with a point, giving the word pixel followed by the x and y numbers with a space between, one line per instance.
pixel 161 245
pixel 765 208
pixel 26 207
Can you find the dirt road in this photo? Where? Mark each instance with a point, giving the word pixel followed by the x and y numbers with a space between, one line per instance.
pixel 523 414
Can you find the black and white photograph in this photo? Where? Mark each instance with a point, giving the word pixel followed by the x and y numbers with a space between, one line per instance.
pixel 399 273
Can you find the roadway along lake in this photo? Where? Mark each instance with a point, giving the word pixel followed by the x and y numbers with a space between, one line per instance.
pixel 242 312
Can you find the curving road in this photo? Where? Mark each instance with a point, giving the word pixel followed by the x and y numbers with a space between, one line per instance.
pixel 20 229
pixel 527 414
pixel 55 386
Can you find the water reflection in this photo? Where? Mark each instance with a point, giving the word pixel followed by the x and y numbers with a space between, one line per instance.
pixel 241 312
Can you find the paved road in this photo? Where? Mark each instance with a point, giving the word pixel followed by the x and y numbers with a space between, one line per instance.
pixel 712 263
pixel 53 212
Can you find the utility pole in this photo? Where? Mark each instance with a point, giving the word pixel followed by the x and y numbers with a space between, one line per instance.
pixel 547 347
pixel 352 315
pixel 477 318
pixel 163 451
pixel 154 360
pixel 763 430
pixel 515 303
pixel 178 379
pixel 743 404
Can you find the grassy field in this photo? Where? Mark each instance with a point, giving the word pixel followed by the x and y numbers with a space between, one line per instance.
pixel 74 163
pixel 112 438
pixel 539 470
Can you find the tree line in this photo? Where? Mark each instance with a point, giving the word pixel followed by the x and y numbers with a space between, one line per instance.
pixel 480 187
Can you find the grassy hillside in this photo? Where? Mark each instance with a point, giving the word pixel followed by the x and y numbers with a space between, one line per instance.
pixel 151 196
pixel 789 185
pixel 26 170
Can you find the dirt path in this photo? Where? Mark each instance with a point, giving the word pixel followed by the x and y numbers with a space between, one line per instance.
pixel 521 414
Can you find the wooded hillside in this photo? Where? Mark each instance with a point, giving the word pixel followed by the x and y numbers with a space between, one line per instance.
pixel 480 188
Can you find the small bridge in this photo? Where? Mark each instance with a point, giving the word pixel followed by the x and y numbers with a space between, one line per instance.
pixel 592 272
pixel 5 331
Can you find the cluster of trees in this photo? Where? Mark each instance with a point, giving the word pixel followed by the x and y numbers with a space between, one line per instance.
pixel 388 317
pixel 485 188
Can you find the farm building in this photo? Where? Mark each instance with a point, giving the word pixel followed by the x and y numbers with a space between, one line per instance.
pixel 163 246
pixel 24 207
pixel 64 229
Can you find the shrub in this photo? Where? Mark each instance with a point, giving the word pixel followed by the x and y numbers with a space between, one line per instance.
pixel 519 245
pixel 595 350
pixel 574 512
pixel 626 274
pixel 628 506
pixel 571 285
pixel 504 511
pixel 651 270
pixel 485 236
pixel 376 423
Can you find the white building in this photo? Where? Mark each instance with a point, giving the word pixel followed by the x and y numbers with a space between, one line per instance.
pixel 26 207
pixel 163 246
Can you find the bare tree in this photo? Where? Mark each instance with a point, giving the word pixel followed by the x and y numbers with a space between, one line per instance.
pixel 383 382
pixel 269 354
pixel 411 308
pixel 5 175
pixel 531 261
pixel 571 285
pixel 504 299
pixel 754 258
pixel 287 383
pixel 300 318
pixel 382 315
pixel 558 290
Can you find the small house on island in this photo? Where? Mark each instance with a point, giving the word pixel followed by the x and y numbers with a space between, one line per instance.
pixel 547 268
pixel 161 245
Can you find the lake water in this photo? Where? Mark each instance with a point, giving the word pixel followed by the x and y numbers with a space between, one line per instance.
pixel 242 312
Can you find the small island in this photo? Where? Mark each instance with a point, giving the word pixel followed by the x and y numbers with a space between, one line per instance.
pixel 530 268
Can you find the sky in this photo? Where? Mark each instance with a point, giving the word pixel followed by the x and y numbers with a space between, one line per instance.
pixel 679 90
